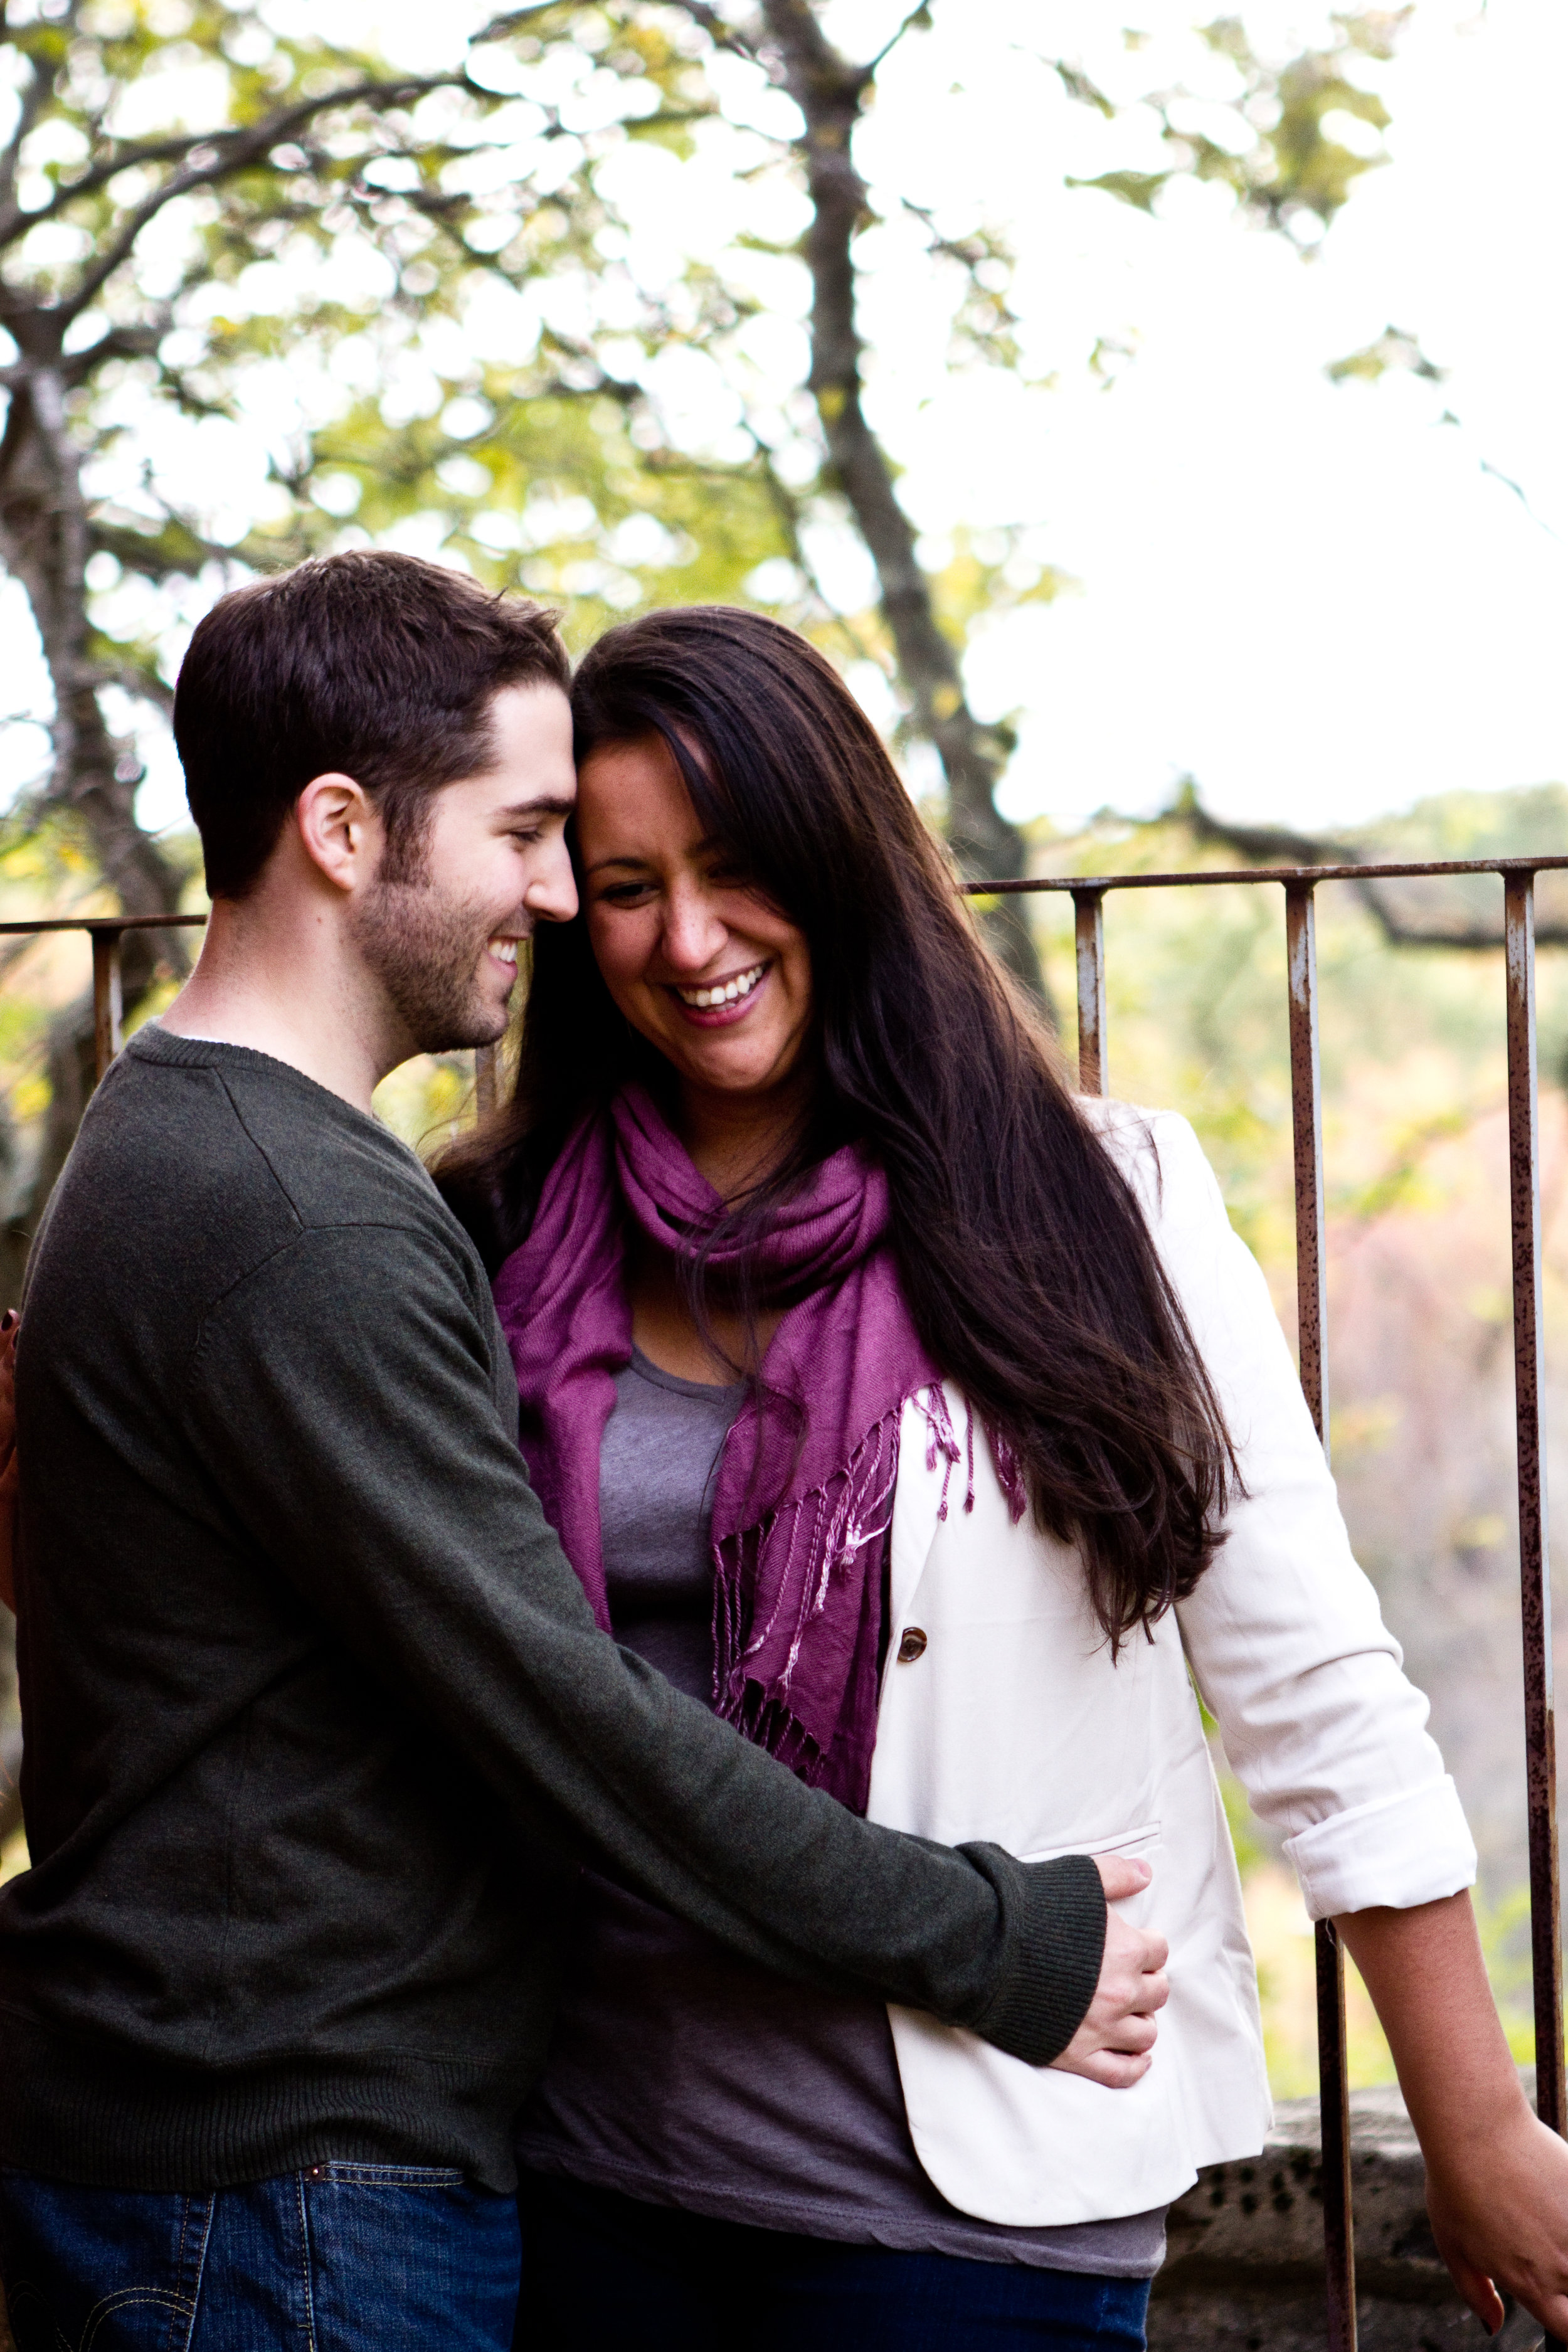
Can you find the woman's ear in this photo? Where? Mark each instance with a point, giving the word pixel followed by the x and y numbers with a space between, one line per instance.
pixel 339 830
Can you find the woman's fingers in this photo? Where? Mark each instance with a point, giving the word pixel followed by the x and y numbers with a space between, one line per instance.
pixel 1479 2294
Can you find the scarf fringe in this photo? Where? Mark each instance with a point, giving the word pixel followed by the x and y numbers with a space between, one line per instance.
pixel 763 1718
pixel 940 1438
pixel 833 1525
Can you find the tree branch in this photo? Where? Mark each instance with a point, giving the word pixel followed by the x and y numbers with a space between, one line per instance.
pixel 14 223
pixel 30 105
pixel 1277 846
pixel 831 93
pixel 723 35
pixel 239 149
pixel 917 16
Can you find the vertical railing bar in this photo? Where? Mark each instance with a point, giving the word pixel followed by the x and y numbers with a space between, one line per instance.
pixel 108 1000
pixel 1089 908
pixel 1311 1312
pixel 486 1078
pixel 1534 1558
pixel 1335 2119
pixel 1307 1128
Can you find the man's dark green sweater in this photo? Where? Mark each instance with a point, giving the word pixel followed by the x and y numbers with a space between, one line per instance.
pixel 318 1720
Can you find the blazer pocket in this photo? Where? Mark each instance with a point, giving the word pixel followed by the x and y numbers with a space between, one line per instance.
pixel 1135 1845
pixel 1140 1845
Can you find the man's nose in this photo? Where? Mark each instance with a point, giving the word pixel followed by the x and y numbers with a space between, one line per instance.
pixel 551 895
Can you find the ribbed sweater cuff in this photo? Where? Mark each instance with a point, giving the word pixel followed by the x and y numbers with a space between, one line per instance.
pixel 1054 1917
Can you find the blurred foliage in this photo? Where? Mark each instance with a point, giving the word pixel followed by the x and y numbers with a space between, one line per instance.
pixel 1291 167
pixel 420 295
pixel 1196 983
pixel 1393 352
pixel 318 291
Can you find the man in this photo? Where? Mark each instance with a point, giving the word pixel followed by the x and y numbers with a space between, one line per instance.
pixel 318 1719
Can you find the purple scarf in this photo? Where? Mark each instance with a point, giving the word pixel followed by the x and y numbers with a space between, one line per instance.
pixel 804 1497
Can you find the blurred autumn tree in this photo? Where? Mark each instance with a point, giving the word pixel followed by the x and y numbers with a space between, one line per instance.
pixel 417 296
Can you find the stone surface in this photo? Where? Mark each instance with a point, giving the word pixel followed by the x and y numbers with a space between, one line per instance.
pixel 1245 2272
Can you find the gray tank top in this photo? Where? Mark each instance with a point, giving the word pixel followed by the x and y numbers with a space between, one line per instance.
pixel 680 2076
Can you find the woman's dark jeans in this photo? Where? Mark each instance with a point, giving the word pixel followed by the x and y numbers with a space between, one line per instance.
pixel 339 2258
pixel 601 2272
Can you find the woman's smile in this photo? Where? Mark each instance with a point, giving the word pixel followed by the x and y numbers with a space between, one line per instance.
pixel 720 1004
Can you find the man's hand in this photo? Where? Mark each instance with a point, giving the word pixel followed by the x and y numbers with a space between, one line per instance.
pixel 9 1326
pixel 1113 2044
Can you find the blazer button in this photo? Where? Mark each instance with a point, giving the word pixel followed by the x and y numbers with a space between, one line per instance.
pixel 912 1647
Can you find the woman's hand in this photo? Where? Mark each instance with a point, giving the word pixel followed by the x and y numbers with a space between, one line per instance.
pixel 9 1326
pixel 1500 2214
pixel 1497 2180
pixel 1113 2044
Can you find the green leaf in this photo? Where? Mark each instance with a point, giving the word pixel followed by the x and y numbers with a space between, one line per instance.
pixel 1136 188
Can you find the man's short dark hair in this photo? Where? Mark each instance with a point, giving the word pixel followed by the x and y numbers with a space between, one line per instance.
pixel 371 664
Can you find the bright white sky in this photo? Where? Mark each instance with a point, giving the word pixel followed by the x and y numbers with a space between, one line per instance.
pixel 1309 596
pixel 1312 598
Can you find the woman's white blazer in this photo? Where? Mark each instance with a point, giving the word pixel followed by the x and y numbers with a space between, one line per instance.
pixel 1012 1724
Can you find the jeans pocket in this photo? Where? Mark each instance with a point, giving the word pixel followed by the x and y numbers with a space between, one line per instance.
pixel 138 2318
pixel 94 2267
pixel 401 2257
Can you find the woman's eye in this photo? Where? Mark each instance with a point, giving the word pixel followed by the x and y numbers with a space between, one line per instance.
pixel 624 894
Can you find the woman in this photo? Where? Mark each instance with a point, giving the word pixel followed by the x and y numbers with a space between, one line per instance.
pixel 931 1425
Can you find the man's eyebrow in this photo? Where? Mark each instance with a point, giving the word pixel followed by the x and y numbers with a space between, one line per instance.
pixel 547 804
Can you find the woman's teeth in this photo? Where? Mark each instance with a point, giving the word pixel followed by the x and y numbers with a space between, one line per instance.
pixel 729 991
pixel 506 950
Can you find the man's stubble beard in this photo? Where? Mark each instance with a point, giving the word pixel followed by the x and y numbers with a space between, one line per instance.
pixel 425 950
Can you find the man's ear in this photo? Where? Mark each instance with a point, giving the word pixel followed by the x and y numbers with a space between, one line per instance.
pixel 339 830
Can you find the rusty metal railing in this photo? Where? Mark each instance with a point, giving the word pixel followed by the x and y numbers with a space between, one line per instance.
pixel 107 933
pixel 1089 893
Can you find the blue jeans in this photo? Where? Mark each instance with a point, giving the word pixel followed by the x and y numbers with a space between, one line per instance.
pixel 338 2258
pixel 601 2272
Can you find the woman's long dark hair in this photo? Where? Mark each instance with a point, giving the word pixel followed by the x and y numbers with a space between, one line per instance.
pixel 1027 1266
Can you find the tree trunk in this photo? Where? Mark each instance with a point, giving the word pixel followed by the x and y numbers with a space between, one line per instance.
pixel 45 543
pixel 831 93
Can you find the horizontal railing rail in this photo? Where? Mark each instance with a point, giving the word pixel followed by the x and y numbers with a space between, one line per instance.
pixel 1200 874
pixel 1517 944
